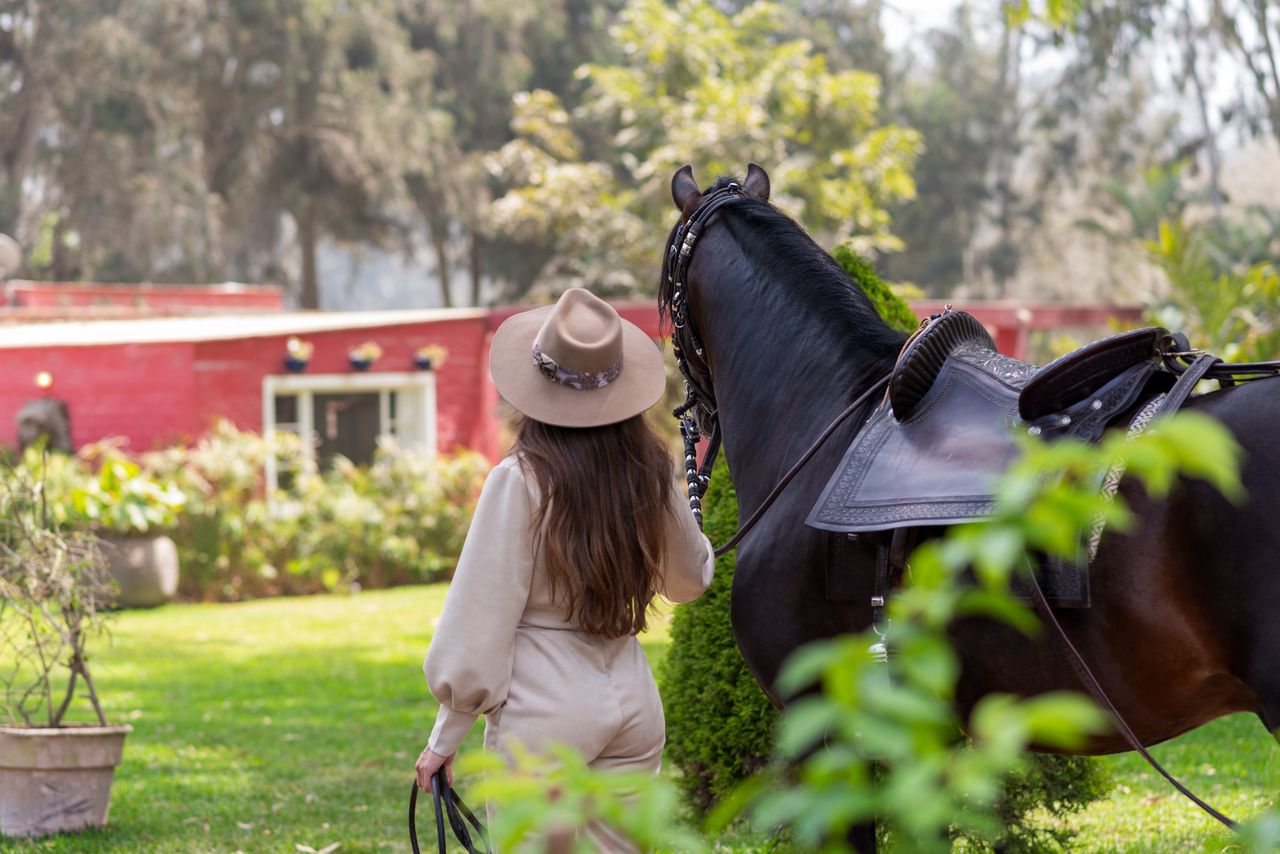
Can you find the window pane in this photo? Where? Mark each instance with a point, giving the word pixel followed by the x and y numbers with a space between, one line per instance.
pixel 286 408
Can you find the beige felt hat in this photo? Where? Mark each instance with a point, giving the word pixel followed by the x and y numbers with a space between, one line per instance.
pixel 576 363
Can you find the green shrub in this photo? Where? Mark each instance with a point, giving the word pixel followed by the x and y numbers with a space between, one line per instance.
pixel 720 725
pixel 1061 786
pixel 893 308
pixel 123 499
pixel 400 520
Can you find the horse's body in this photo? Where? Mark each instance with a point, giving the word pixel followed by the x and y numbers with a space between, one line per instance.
pixel 1183 625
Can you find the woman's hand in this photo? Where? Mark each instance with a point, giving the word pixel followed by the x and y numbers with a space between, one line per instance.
pixel 429 763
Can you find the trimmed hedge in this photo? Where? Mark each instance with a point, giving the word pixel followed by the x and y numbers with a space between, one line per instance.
pixel 720 725
pixel 719 722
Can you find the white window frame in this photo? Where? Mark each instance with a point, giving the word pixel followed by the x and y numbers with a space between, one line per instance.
pixel 421 393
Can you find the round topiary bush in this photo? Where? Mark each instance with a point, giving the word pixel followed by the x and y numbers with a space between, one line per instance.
pixel 720 724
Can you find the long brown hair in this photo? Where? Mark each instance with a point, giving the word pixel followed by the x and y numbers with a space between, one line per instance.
pixel 606 499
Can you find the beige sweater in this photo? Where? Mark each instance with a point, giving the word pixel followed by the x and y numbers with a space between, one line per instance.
pixel 501 585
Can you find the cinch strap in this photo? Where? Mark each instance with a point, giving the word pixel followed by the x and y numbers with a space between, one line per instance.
pixel 581 380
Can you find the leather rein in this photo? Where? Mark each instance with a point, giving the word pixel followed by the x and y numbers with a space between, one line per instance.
pixel 450 812
pixel 699 409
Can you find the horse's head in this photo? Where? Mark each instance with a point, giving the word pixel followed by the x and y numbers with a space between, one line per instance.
pixel 697 208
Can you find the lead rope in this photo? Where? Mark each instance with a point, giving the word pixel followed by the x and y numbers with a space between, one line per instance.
pixel 447 805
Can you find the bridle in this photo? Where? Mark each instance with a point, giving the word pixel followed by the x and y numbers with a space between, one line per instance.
pixel 698 414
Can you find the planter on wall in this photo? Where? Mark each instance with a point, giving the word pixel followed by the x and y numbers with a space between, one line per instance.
pixel 55 780
pixel 145 567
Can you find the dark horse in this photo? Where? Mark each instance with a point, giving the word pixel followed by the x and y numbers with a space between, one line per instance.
pixel 1183 626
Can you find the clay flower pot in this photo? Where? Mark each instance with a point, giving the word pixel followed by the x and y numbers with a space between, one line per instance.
pixel 55 780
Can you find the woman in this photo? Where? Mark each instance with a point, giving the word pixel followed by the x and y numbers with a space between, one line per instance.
pixel 573 535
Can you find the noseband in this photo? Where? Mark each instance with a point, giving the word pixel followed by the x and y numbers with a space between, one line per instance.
pixel 697 415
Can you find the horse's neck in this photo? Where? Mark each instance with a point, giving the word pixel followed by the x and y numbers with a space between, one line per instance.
pixel 781 376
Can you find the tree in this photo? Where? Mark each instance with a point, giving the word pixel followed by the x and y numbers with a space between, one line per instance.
pixel 1019 124
pixel 174 139
pixel 585 184
pixel 949 98
pixel 483 53
pixel 346 126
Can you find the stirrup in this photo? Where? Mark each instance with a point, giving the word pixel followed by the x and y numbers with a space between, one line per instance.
pixel 880 649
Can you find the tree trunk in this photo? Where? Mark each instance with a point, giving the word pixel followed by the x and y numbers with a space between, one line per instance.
pixel 1192 59
pixel 309 296
pixel 440 241
pixel 1007 147
pixel 35 86
pixel 477 267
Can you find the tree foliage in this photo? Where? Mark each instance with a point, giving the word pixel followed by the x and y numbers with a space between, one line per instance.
pixel 587 184
pixel 186 142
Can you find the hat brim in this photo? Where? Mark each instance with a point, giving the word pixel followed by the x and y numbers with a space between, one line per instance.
pixel 638 386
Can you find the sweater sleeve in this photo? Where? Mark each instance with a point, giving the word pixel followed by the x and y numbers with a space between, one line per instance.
pixel 468 665
pixel 690 561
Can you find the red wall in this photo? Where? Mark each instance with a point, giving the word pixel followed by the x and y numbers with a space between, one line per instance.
pixel 45 294
pixel 142 391
pixel 156 394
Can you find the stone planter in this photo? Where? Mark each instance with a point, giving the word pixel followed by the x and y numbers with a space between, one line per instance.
pixel 53 780
pixel 146 568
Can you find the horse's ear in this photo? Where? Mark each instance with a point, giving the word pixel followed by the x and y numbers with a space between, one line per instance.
pixel 757 183
pixel 684 190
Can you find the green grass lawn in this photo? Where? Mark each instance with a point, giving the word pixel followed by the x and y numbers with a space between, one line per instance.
pixel 291 724
pixel 1231 763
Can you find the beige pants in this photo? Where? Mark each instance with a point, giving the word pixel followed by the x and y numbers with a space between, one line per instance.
pixel 595 695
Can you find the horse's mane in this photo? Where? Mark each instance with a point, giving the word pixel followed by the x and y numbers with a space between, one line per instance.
pixel 783 254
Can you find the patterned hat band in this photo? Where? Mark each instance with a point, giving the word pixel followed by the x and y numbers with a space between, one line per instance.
pixel 581 380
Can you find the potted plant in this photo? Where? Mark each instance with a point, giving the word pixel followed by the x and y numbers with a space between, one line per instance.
pixel 430 357
pixel 297 354
pixel 55 773
pixel 362 356
pixel 130 510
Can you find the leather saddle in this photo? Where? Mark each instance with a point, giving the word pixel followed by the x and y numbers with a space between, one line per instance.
pixel 931 454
